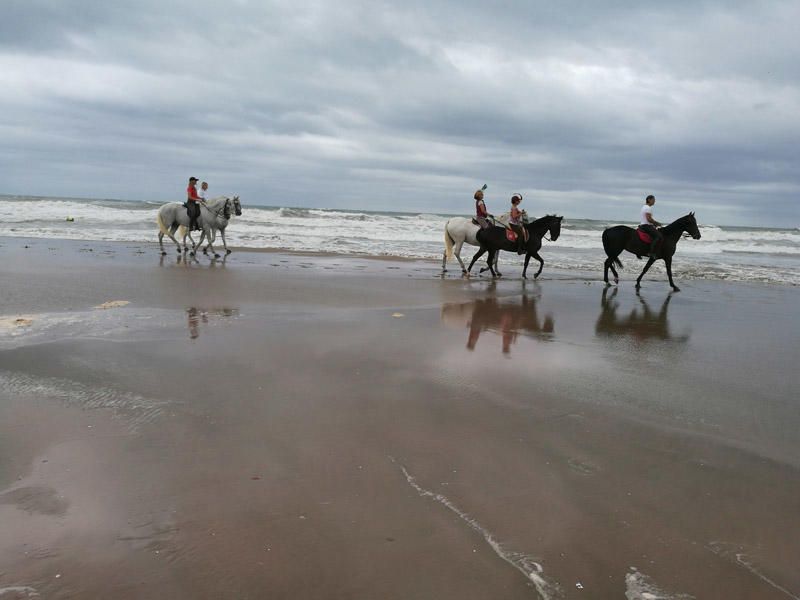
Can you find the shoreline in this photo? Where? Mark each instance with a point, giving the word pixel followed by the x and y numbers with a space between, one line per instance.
pixel 628 275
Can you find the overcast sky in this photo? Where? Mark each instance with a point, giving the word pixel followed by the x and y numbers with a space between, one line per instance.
pixel 584 107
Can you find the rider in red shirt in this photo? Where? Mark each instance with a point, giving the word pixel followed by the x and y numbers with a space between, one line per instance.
pixel 192 203
pixel 482 215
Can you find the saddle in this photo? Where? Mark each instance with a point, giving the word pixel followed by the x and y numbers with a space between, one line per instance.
pixel 511 236
pixel 644 237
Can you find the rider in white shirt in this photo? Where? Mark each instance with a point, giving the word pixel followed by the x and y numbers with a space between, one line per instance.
pixel 649 225
pixel 203 190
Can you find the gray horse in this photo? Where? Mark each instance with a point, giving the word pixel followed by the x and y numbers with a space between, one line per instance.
pixel 237 210
pixel 173 215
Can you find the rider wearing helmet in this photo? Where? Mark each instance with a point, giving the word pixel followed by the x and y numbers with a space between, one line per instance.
pixel 482 216
pixel 192 203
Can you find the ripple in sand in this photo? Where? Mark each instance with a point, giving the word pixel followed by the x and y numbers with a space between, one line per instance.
pixel 36 499
pixel 134 410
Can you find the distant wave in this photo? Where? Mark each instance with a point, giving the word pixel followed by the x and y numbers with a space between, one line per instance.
pixel 735 253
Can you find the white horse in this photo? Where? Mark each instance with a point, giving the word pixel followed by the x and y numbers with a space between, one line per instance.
pixel 214 226
pixel 458 231
pixel 173 215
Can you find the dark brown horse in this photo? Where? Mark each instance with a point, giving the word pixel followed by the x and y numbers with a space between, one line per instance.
pixel 619 238
pixel 494 239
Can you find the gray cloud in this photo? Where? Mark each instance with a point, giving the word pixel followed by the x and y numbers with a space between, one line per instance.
pixel 584 108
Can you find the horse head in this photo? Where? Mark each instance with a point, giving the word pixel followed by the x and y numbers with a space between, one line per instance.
pixel 555 227
pixel 690 226
pixel 226 209
pixel 237 206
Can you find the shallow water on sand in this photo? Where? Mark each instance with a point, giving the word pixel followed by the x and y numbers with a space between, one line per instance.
pixel 232 428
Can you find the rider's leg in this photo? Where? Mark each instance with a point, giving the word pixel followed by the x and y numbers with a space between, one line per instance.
pixel 654 244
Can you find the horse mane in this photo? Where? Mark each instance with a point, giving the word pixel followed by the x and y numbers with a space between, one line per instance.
pixel 676 223
pixel 544 218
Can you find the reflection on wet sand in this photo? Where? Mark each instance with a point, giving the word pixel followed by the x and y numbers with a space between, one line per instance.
pixel 641 323
pixel 508 318
pixel 195 316
pixel 188 261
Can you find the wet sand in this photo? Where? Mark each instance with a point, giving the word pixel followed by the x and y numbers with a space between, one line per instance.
pixel 294 426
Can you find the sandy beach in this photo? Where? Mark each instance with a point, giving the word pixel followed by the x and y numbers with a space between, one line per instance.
pixel 277 425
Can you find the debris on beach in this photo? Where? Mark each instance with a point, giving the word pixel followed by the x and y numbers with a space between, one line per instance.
pixel 398 315
pixel 14 322
pixel 113 304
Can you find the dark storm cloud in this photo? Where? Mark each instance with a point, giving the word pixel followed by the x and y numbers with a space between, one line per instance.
pixel 585 107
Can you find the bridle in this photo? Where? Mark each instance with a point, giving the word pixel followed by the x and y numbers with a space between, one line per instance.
pixel 224 211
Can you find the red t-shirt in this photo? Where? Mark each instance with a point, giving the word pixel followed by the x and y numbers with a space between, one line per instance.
pixel 191 193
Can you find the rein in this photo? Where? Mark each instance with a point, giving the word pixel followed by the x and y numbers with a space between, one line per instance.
pixel 219 212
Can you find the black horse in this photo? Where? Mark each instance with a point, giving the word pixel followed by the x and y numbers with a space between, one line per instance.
pixel 494 239
pixel 619 238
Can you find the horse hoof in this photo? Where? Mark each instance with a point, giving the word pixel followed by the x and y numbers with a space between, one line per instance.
pixel 675 288
pixel 616 280
pixel 228 252
pixel 163 253
pixel 216 255
pixel 191 254
pixel 536 276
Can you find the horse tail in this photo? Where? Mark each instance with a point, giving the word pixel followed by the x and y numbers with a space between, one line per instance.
pixel 609 252
pixel 448 242
pixel 160 221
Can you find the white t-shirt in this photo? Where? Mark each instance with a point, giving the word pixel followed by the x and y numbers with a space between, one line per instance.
pixel 646 210
pixel 202 193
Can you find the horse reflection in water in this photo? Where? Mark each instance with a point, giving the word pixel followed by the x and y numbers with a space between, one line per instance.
pixel 641 323
pixel 195 316
pixel 509 319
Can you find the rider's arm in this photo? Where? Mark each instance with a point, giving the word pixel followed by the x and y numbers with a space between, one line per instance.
pixel 652 221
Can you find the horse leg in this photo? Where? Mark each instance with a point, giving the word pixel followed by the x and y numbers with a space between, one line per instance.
pixel 212 237
pixel 497 258
pixel 210 243
pixel 224 243
pixel 541 264
pixel 649 264
pixel 525 268
pixel 161 242
pixel 185 247
pixel 171 233
pixel 490 261
pixel 457 252
pixel 668 262
pixel 478 254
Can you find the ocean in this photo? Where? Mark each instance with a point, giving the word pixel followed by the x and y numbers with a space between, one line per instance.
pixel 724 253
